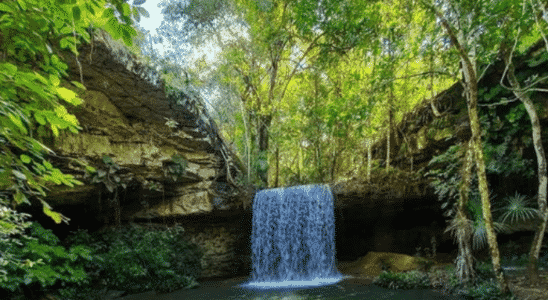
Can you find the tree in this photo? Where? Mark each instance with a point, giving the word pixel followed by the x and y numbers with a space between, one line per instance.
pixel 464 41
pixel 461 225
pixel 33 36
pixel 525 21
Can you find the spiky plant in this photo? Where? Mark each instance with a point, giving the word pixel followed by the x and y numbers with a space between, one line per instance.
pixel 479 233
pixel 517 208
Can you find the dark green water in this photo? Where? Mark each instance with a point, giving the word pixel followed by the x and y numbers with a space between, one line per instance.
pixel 350 288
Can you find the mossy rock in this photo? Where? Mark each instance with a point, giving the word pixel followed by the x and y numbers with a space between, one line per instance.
pixel 372 264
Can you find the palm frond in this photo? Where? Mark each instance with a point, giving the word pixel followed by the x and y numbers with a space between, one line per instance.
pixel 517 208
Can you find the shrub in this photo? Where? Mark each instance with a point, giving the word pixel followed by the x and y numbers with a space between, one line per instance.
pixel 136 259
pixel 484 271
pixel 405 280
pixel 44 263
pixel 487 290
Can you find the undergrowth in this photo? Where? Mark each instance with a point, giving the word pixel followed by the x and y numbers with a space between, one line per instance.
pixel 129 259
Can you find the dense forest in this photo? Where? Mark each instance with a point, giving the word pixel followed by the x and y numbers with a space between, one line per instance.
pixel 301 89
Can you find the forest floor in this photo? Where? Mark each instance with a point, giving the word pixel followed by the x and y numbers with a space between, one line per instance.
pixel 522 291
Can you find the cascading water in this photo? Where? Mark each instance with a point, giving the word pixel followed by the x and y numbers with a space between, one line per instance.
pixel 293 238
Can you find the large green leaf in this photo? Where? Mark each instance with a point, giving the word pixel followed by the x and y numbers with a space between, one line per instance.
pixel 55 216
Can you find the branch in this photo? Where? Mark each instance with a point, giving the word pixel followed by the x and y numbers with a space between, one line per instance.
pixel 310 47
pixel 425 74
pixel 452 36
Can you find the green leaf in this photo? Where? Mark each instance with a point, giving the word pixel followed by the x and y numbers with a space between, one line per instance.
pixel 19 175
pixel 55 216
pixel 5 7
pixel 22 4
pixel 39 118
pixel 76 13
pixel 20 198
pixel 66 30
pixel 90 8
pixel 113 27
pixel 54 80
pixel 126 10
pixel 78 85
pixel 9 68
pixel 47 164
pixel 67 95
pixel 136 15
pixel 65 42
pixel 17 121
pixel 127 38
pixel 25 158
pixel 108 13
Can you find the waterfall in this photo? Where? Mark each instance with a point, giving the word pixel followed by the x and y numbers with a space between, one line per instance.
pixel 293 237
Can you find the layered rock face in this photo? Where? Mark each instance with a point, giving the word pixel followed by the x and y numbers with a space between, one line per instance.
pixel 159 156
pixel 169 151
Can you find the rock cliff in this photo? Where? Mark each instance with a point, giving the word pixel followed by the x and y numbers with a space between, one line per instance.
pixel 159 156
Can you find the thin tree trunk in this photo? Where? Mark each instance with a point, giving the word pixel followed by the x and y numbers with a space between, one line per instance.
pixel 532 269
pixel 465 261
pixel 388 137
pixel 299 170
pixel 247 140
pixel 276 177
pixel 263 128
pixel 369 161
pixel 333 163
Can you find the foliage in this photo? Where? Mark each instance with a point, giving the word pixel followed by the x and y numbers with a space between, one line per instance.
pixel 176 168
pixel 479 234
pixel 107 175
pixel 444 279
pixel 517 208
pixel 445 176
pixel 485 285
pixel 403 280
pixel 33 39
pixel 488 290
pixel 43 262
pixel 137 259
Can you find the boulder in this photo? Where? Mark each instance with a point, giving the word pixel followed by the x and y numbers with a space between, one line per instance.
pixel 372 264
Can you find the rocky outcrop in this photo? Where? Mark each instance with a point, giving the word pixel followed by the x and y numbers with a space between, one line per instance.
pixel 158 156
pixel 165 155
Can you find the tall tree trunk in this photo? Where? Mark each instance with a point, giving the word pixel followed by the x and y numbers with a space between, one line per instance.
pixel 532 269
pixel 465 261
pixel 472 95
